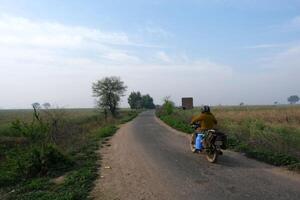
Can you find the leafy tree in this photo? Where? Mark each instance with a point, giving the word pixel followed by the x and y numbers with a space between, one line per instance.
pixel 147 102
pixel 293 99
pixel 109 91
pixel 135 100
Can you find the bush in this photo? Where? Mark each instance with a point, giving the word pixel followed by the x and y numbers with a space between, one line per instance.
pixel 47 160
pixel 33 131
pixel 34 162
pixel 295 167
pixel 167 108
pixel 276 159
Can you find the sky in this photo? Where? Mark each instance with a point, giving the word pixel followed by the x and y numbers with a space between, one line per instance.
pixel 217 51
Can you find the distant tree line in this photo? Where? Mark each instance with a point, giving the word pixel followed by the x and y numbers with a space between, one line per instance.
pixel 293 99
pixel 137 101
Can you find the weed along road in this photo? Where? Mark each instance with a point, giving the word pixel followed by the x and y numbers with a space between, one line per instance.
pixel 148 160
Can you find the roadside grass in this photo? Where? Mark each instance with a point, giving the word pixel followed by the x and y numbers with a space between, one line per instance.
pixel 266 133
pixel 29 170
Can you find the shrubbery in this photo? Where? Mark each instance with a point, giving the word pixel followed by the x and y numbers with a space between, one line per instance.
pixel 167 108
pixel 32 161
pixel 30 168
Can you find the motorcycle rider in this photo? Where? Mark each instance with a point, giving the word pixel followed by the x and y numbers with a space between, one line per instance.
pixel 206 121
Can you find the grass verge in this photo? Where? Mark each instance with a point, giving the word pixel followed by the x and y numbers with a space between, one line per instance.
pixel 69 181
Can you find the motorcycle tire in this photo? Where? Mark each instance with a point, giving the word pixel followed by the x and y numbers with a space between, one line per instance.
pixel 193 148
pixel 212 157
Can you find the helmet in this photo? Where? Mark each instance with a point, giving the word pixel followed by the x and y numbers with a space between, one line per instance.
pixel 205 109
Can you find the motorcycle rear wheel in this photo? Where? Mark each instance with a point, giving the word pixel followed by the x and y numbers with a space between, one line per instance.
pixel 193 148
pixel 212 157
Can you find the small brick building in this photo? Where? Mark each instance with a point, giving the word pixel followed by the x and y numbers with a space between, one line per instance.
pixel 187 103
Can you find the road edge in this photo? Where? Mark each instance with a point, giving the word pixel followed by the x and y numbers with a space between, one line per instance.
pixel 162 123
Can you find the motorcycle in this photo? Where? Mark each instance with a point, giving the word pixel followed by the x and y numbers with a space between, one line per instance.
pixel 210 142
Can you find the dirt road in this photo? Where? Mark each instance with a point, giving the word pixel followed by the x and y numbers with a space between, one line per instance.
pixel 148 160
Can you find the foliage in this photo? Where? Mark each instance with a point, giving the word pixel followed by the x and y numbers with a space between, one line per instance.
pixel 167 108
pixel 109 90
pixel 77 183
pixel 295 167
pixel 131 115
pixel 293 99
pixel 137 101
pixel 176 123
pixel 35 161
pixel 147 102
pixel 44 127
pixel 29 169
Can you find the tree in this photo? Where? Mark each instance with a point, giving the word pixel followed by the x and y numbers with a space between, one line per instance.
pixel 109 91
pixel 135 100
pixel 36 105
pixel 147 102
pixel 293 99
pixel 46 105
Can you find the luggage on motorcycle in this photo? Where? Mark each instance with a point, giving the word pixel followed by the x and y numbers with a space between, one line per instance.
pixel 198 143
pixel 222 137
pixel 211 137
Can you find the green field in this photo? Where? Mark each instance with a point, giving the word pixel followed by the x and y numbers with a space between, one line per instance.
pixel 61 145
pixel 267 133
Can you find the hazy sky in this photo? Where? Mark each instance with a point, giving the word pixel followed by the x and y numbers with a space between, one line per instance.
pixel 217 51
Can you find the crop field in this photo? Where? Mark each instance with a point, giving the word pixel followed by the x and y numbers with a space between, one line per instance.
pixel 267 133
pixel 51 155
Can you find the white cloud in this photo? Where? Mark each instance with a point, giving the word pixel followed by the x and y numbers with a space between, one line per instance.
pixel 26 41
pixel 22 31
pixel 264 46
pixel 162 56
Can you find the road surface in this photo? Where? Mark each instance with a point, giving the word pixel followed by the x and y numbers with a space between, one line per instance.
pixel 148 160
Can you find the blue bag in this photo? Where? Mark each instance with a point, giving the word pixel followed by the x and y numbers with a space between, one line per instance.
pixel 198 143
